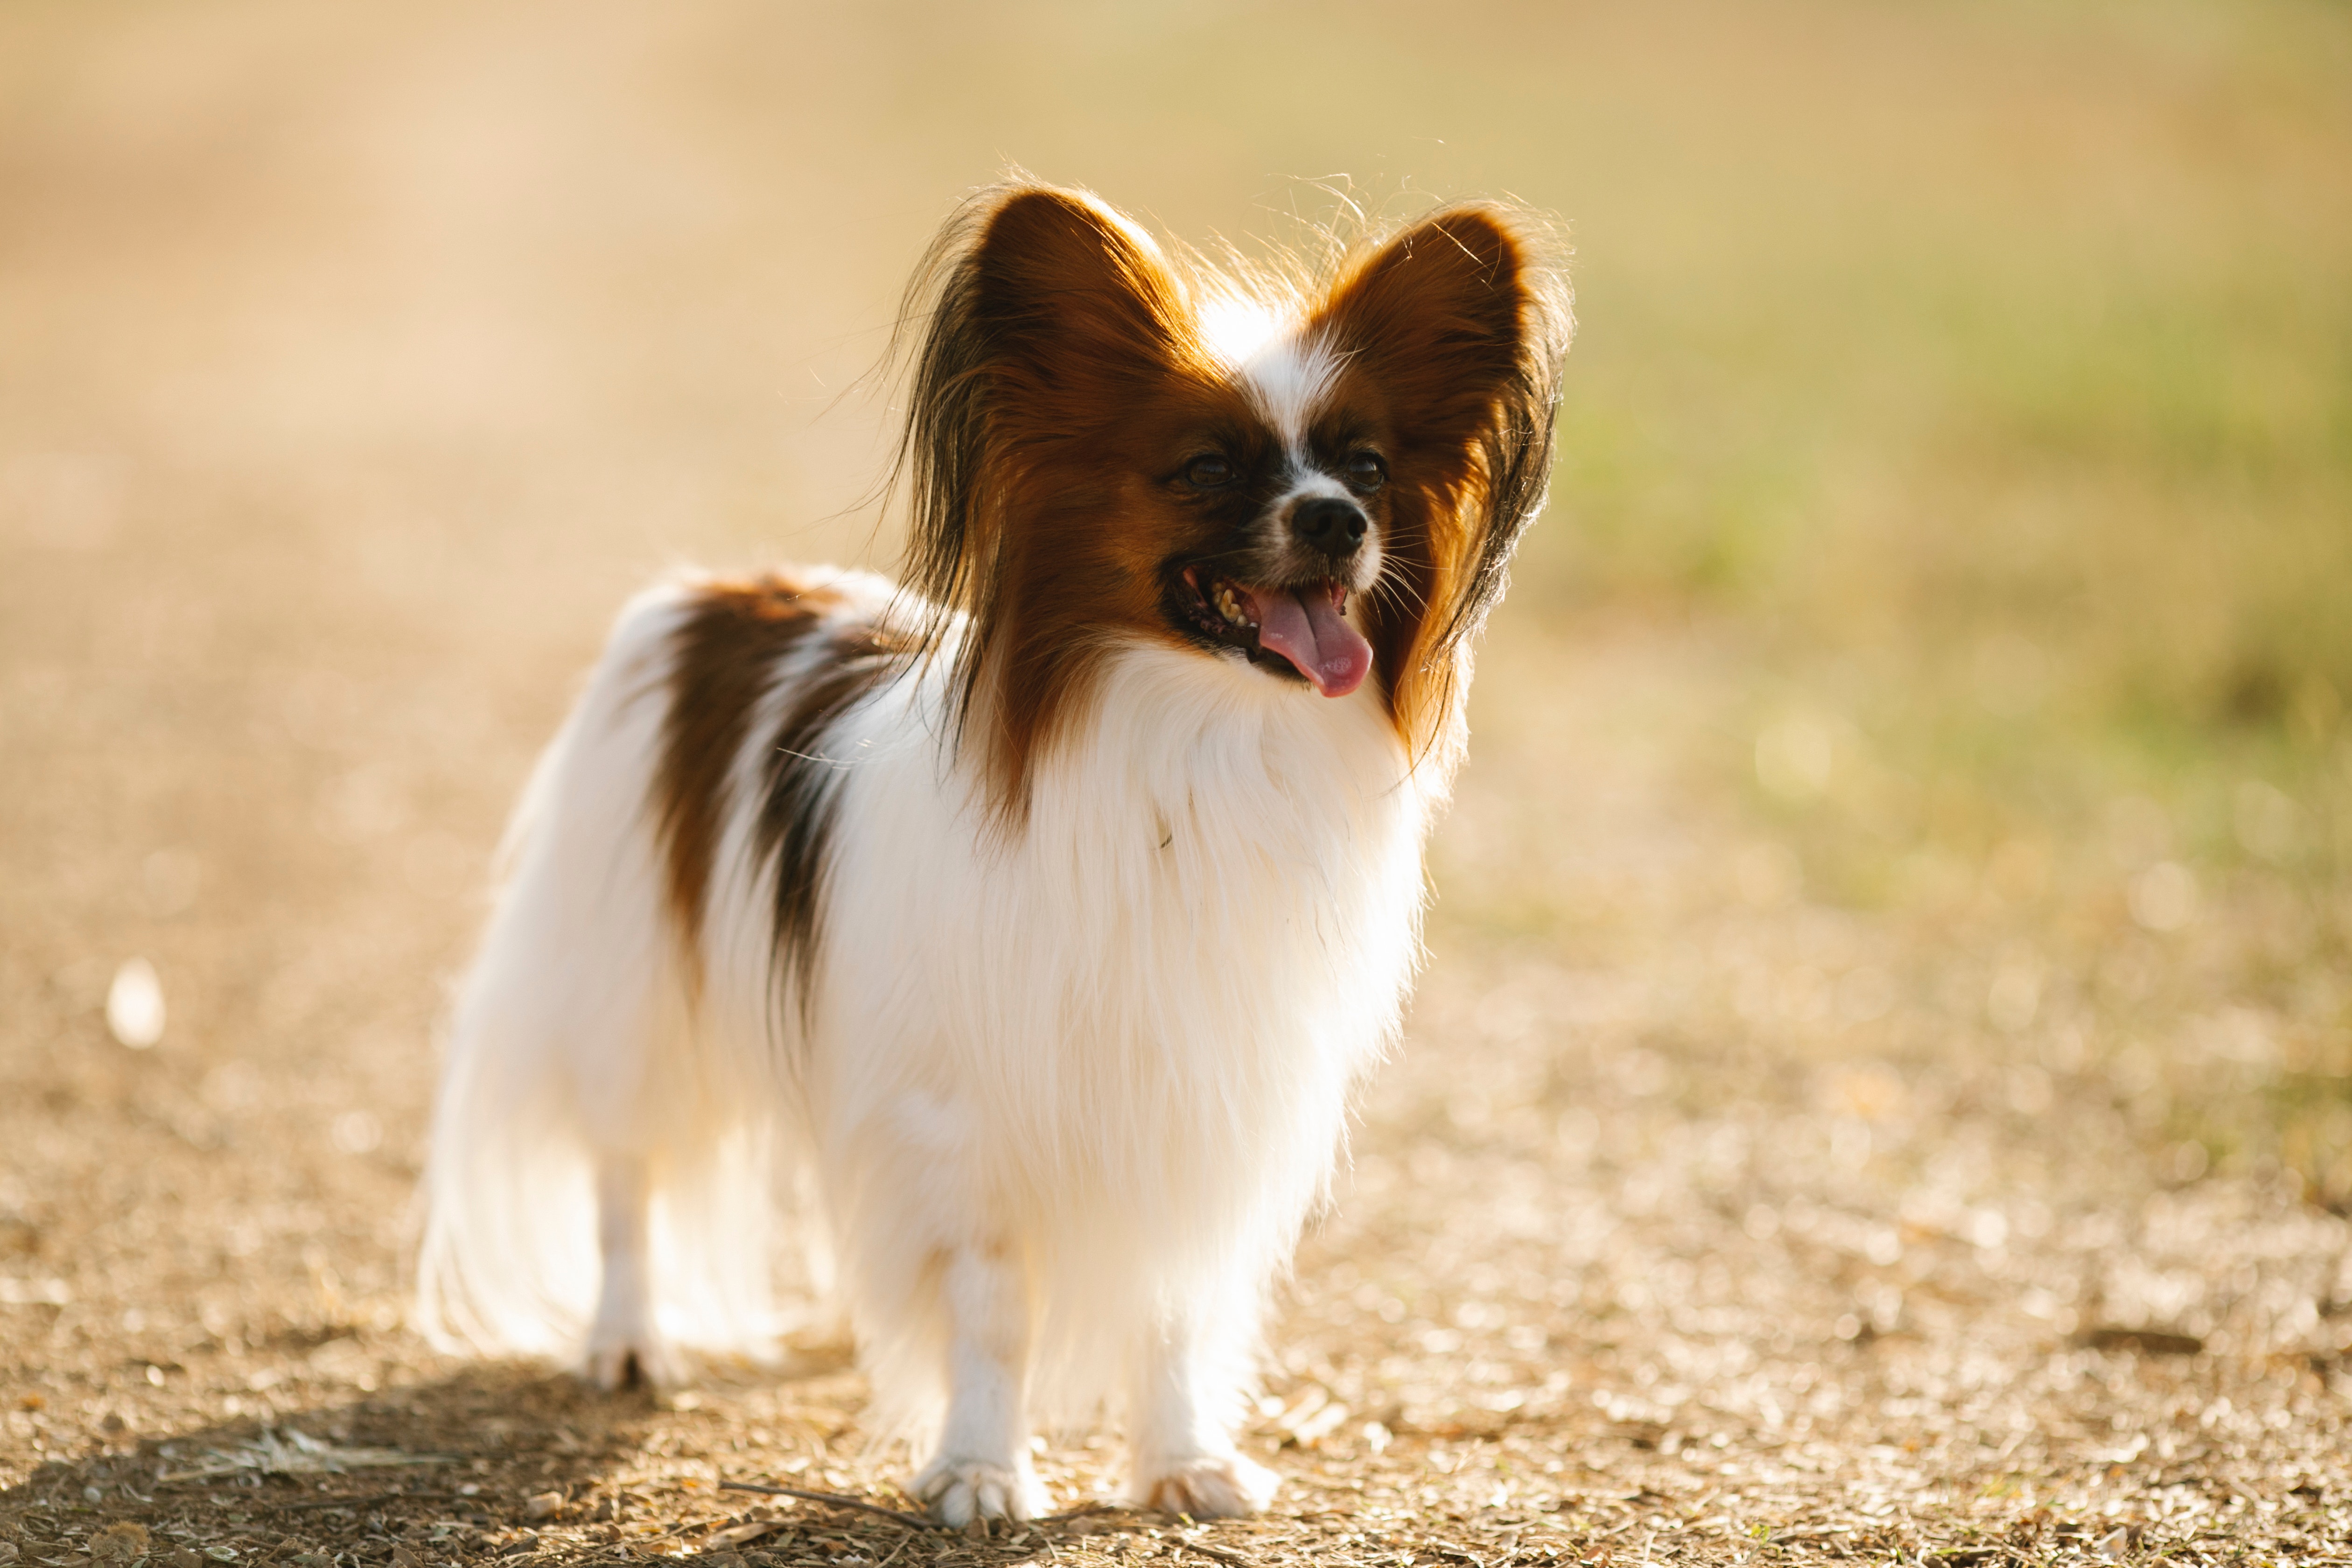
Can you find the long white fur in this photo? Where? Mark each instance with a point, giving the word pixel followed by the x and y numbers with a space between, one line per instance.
pixel 1066 1091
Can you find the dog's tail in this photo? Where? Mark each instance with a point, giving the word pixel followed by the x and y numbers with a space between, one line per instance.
pixel 571 1047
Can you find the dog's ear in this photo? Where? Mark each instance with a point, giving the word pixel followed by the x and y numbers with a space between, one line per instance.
pixel 1458 325
pixel 1463 321
pixel 1043 313
pixel 1072 299
pixel 1442 317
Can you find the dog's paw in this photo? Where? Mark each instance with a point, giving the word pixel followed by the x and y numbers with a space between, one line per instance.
pixel 615 1361
pixel 1210 1486
pixel 959 1491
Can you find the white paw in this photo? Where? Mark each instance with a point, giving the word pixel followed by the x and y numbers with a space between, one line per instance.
pixel 617 1359
pixel 1210 1486
pixel 959 1491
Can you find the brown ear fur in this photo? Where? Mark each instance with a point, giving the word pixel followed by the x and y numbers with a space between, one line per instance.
pixel 1055 323
pixel 1458 326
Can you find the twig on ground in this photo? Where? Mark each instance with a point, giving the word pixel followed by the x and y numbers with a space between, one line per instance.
pixel 838 1500
pixel 369 1501
pixel 1219 1553
pixel 295 1454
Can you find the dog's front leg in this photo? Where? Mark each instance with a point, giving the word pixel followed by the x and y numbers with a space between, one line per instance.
pixel 982 1468
pixel 1181 1453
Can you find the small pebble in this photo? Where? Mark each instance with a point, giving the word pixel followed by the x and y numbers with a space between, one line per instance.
pixel 134 1004
pixel 546 1505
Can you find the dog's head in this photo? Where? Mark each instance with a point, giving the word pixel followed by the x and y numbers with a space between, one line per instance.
pixel 1322 477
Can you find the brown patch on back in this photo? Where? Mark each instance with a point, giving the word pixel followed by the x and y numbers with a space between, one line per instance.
pixel 724 659
pixel 804 780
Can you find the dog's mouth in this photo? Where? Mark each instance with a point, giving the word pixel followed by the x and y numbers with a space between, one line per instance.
pixel 1299 631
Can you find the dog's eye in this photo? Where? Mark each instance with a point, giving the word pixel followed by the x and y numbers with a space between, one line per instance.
pixel 1209 472
pixel 1365 471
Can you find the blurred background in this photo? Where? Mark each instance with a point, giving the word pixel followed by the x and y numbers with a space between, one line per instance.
pixel 1924 698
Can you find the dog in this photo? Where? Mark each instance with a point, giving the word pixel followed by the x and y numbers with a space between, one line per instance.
pixel 1011 939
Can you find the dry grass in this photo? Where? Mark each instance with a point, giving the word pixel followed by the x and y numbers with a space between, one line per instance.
pixel 1881 1086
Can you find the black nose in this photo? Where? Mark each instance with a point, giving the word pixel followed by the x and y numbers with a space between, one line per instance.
pixel 1329 524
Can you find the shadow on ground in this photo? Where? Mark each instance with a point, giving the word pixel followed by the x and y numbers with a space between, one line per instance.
pixel 502 1460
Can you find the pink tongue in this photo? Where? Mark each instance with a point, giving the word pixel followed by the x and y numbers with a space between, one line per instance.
pixel 1306 629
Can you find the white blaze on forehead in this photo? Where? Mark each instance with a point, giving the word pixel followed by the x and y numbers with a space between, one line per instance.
pixel 1284 374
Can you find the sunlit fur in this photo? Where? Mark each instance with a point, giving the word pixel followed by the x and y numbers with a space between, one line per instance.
pixel 993 940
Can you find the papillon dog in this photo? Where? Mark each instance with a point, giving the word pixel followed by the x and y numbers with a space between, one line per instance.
pixel 1011 939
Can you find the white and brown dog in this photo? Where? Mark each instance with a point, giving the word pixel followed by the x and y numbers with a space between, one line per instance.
pixel 1014 939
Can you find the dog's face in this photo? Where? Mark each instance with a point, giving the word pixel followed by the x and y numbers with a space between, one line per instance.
pixel 1275 511
pixel 1324 484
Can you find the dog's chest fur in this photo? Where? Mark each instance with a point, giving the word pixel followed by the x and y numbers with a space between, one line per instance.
pixel 1196 939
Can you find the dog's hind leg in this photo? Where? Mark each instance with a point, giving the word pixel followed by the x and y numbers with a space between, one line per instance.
pixel 625 1344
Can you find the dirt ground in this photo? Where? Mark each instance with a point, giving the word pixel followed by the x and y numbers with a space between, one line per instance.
pixel 1701 1217
pixel 1630 1267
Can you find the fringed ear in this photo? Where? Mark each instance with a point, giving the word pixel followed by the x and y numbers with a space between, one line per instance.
pixel 1043 314
pixel 1462 323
